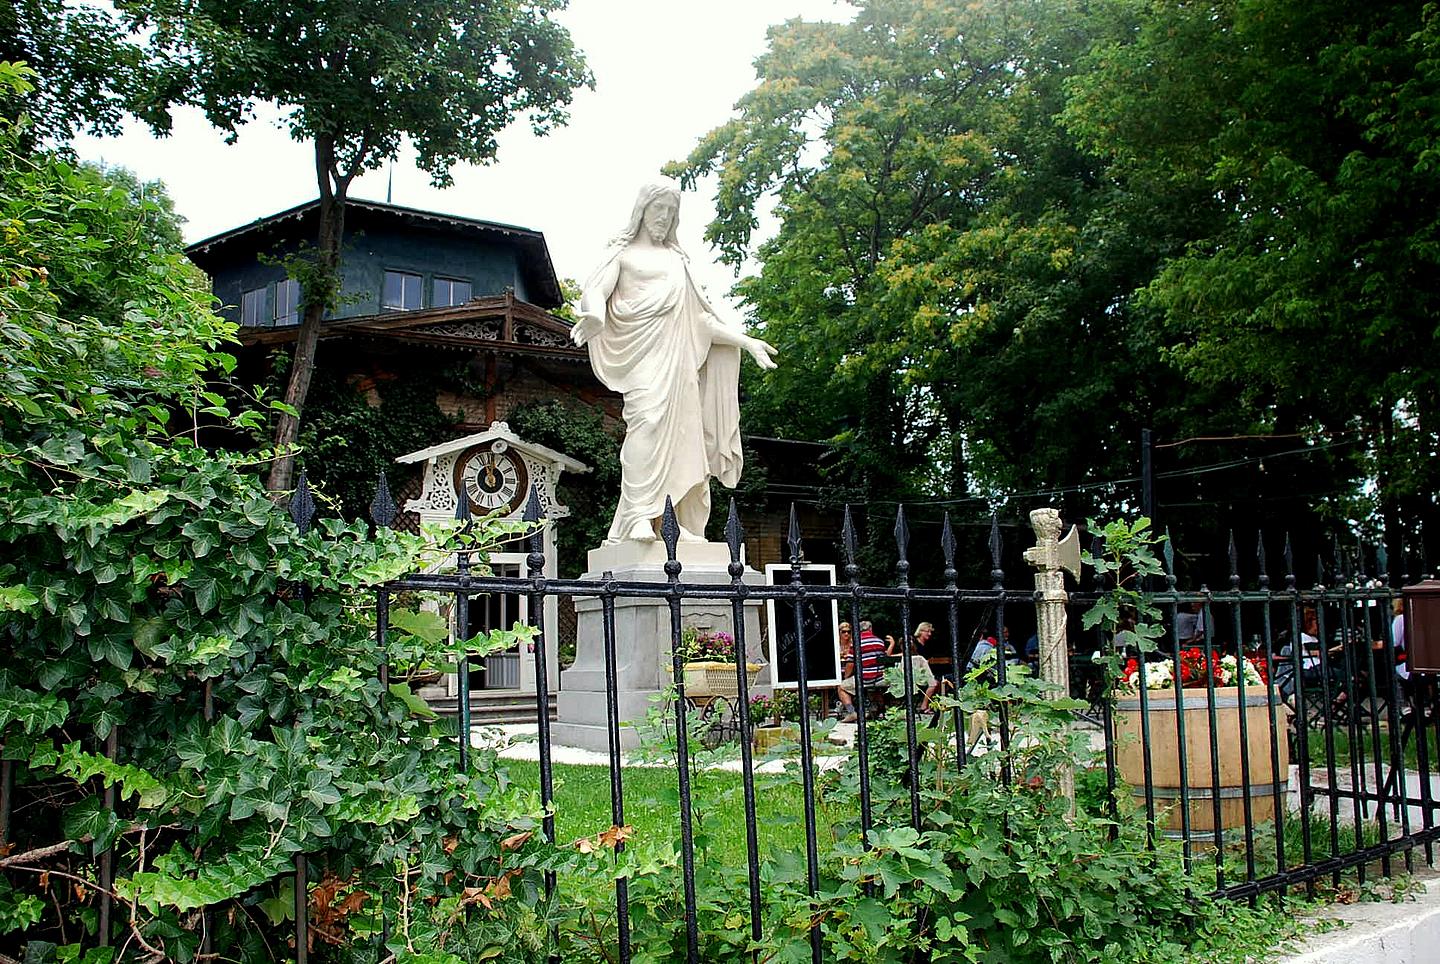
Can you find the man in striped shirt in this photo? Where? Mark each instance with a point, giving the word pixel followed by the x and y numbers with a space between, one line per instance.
pixel 872 647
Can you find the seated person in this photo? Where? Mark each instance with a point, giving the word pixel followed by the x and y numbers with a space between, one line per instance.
pixel 872 647
pixel 919 666
pixel 1190 625
pixel 1032 648
pixel 1310 664
pixel 986 647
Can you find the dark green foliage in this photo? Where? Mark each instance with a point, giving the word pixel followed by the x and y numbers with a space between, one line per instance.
pixel 90 72
pixel 1012 235
pixel 151 599
pixel 579 432
pixel 1303 134
pixel 348 441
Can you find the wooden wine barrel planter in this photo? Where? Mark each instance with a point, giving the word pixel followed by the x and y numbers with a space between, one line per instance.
pixel 1203 783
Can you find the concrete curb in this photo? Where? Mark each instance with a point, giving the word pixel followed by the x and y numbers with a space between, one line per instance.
pixel 1379 932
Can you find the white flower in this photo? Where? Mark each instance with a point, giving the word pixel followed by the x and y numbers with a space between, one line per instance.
pixel 1229 670
pixel 1158 676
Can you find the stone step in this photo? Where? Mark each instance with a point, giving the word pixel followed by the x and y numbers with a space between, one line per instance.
pixel 505 706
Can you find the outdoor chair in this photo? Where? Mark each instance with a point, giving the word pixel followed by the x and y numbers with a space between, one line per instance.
pixel 1321 708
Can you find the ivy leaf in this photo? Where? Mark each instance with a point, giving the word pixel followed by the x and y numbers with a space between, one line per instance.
pixel 207 591
pixel 35 712
pixel 90 819
pixel 413 703
pixel 16 598
pixel 281 907
pixel 116 651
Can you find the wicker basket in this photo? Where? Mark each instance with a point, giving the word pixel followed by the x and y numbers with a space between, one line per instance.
pixel 715 679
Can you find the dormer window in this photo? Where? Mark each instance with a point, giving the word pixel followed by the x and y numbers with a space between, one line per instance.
pixel 450 291
pixel 401 292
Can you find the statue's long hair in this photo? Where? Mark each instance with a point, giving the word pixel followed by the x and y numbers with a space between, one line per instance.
pixel 659 187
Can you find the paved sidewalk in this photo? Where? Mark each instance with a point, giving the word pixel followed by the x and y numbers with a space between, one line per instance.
pixel 517 741
pixel 1379 932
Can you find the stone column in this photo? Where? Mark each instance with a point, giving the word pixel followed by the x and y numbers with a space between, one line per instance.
pixel 1052 558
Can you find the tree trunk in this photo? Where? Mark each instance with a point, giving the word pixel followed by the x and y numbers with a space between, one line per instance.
pixel 302 366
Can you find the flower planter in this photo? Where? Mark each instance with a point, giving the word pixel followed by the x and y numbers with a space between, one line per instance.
pixel 715 679
pixel 768 738
pixel 1265 787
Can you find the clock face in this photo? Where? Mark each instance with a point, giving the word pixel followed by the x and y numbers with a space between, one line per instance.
pixel 492 480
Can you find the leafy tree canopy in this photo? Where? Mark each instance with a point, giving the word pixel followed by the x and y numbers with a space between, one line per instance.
pixel 1309 130
pixel 1013 234
pixel 359 79
pixel 90 72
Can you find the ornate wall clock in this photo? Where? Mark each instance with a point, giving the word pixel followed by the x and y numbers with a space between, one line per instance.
pixel 493 476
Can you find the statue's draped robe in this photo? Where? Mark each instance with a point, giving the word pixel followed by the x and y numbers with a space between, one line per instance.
pixel 682 412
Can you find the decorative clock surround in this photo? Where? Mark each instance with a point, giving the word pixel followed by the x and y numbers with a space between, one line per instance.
pixel 495 469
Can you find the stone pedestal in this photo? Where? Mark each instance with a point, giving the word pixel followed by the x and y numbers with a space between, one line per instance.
pixel 642 638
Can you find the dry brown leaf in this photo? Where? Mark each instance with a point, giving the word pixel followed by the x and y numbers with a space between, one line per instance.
pixel 450 843
pixel 500 888
pixel 615 836
pixel 516 841
pixel 475 895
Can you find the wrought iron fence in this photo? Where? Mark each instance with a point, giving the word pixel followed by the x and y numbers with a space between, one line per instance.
pixel 462 583
pixel 1328 752
pixel 1332 694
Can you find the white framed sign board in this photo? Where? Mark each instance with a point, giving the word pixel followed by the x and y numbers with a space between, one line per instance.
pixel 821 622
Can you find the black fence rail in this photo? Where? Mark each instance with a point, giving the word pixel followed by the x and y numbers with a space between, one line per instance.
pixel 1295 773
pixel 1318 762
pixel 1328 752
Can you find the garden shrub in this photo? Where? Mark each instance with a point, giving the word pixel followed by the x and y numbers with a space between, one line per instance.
pixel 999 870
pixel 189 682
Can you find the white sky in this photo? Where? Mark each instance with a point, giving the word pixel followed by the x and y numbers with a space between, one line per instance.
pixel 666 72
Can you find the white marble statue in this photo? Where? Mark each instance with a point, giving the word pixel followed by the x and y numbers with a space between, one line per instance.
pixel 654 338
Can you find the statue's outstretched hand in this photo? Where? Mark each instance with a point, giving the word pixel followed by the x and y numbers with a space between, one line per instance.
pixel 762 351
pixel 586 328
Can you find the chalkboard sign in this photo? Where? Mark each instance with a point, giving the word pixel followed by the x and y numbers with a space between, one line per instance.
pixel 822 629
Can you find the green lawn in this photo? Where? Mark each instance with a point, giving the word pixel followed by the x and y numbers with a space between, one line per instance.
pixel 1319 748
pixel 582 807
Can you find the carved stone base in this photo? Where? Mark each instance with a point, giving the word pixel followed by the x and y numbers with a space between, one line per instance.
pixel 642 639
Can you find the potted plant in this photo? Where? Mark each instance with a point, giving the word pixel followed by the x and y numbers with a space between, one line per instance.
pixel 1168 708
pixel 709 659
pixel 768 718
pixel 774 718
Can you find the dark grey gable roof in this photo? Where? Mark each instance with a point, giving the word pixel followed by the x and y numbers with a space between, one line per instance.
pixel 535 261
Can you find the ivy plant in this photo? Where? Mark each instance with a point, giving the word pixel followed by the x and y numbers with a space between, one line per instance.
pixel 191 698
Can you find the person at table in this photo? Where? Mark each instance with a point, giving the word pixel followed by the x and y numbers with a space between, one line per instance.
pixel 1030 652
pixel 1190 625
pixel 919 665
pixel 1309 647
pixel 986 648
pixel 872 647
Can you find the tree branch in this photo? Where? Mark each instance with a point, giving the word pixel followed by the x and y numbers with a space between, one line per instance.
pixel 39 853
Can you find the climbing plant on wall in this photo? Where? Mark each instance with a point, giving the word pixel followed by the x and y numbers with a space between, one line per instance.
pixel 580 432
